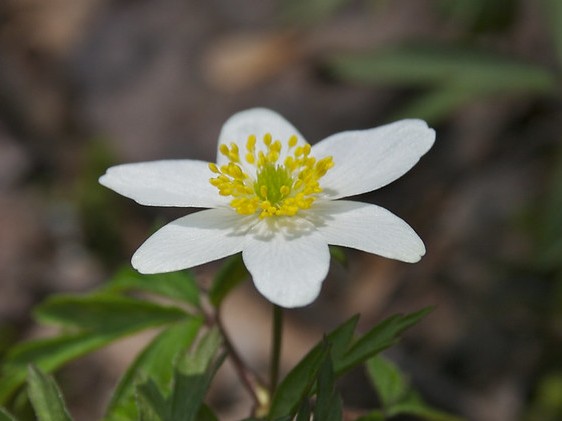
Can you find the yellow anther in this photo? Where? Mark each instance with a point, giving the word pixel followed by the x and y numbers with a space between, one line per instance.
pixel 275 146
pixel 271 188
pixel 213 167
pixel 292 141
pixel 251 143
pixel 223 149
pixel 267 139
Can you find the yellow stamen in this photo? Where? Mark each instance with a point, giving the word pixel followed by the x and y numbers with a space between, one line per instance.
pixel 273 188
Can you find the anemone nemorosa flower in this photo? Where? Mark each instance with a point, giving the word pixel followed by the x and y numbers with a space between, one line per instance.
pixel 275 198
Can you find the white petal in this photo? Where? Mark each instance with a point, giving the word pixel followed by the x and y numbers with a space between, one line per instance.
pixel 192 240
pixel 258 122
pixel 366 160
pixel 288 269
pixel 165 183
pixel 369 228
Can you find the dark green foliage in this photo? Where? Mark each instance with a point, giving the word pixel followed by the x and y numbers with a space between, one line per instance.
pixel 331 358
pixel 179 286
pixel 192 377
pixel 397 395
pixel 452 76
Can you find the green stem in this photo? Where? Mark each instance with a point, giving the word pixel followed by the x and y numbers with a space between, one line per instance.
pixel 276 340
pixel 249 379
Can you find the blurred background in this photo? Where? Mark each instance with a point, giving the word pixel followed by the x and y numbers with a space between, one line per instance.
pixel 86 84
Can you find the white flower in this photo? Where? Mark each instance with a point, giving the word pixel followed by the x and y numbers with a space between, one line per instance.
pixel 273 197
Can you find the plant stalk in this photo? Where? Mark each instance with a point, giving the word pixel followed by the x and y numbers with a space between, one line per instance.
pixel 276 342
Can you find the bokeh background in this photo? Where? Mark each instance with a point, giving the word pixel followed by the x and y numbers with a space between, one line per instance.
pixel 85 84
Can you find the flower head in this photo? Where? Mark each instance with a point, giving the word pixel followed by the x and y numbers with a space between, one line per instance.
pixel 273 197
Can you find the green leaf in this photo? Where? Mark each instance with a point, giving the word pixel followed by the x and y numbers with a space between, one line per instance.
pixel 297 384
pixel 5 415
pixel 193 378
pixel 388 381
pixel 304 411
pixel 373 416
pixel 230 275
pixel 341 337
pixel 48 354
pixel 191 381
pixel 301 378
pixel 180 285
pixel 377 339
pixel 396 393
pixel 105 313
pixel 328 401
pixel 206 414
pixel 480 15
pixel 106 320
pixel 426 66
pixel 345 354
pixel 419 409
pixel 338 254
pixel 46 397
pixel 436 105
pixel 152 405
pixel 198 361
pixel 155 362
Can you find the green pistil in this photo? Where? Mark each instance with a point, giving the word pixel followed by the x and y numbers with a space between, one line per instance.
pixel 273 177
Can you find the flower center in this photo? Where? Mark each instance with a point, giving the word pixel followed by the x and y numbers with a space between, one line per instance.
pixel 278 188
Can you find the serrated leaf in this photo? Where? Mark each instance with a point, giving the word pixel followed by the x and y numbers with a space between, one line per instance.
pixel 390 384
pixel 193 377
pixel 292 389
pixel 104 312
pixel 48 354
pixel 155 362
pixel 51 353
pixel 297 384
pixel 191 381
pixel 230 275
pixel 382 336
pixel 46 397
pixel 5 415
pixel 328 402
pixel 396 393
pixel 180 285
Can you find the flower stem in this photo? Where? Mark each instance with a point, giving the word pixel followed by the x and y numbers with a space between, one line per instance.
pixel 249 379
pixel 276 341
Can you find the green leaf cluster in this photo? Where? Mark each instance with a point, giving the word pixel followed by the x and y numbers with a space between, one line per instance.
pixel 122 307
pixel 450 76
pixel 397 395
pixel 169 379
pixel 339 352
